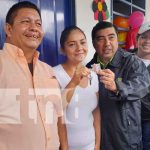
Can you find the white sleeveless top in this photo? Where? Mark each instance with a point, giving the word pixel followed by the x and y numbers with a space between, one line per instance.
pixel 79 117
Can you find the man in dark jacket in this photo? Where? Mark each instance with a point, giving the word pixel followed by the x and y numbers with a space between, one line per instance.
pixel 124 80
pixel 143 44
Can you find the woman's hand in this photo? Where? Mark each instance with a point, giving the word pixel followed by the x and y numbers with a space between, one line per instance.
pixel 80 72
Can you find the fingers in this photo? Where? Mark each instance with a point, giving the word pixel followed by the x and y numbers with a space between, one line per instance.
pixel 106 73
pixel 85 71
pixel 107 77
pixel 109 84
pixel 79 66
pixel 82 70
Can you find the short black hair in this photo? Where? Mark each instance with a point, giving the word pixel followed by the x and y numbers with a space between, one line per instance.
pixel 102 25
pixel 66 32
pixel 12 12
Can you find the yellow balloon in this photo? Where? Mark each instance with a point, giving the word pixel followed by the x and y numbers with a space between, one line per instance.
pixel 122 36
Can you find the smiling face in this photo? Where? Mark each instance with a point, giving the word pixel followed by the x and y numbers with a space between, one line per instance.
pixel 106 43
pixel 143 44
pixel 75 47
pixel 26 30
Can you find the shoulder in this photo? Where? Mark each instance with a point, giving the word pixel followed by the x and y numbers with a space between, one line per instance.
pixel 125 53
pixel 126 61
pixel 133 61
pixel 4 60
pixel 45 67
pixel 59 72
pixel 57 68
pixel 128 56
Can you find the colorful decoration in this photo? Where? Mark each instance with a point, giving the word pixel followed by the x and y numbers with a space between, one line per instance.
pixel 131 39
pixel 100 10
pixel 122 36
pixel 136 19
pixel 121 22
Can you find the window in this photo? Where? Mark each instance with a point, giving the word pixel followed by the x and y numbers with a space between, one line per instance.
pixel 124 8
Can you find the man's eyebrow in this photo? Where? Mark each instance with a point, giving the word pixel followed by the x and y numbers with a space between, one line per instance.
pixel 97 37
pixel 70 41
pixel 112 34
pixel 37 19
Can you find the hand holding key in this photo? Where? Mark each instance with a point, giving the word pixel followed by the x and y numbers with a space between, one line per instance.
pixel 107 77
pixel 80 72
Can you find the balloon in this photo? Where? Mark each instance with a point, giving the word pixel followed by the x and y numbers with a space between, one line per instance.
pixel 121 22
pixel 136 19
pixel 122 36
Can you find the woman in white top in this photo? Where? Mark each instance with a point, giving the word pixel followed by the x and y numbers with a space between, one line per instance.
pixel 80 92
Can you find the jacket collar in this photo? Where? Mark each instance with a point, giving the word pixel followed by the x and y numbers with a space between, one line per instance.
pixel 116 61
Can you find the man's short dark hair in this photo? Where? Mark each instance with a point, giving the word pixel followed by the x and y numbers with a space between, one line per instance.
pixel 12 13
pixel 102 25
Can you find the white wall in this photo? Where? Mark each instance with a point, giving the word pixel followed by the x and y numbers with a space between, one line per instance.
pixel 85 20
pixel 147 16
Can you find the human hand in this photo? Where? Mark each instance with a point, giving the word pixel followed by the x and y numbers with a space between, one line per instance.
pixel 107 77
pixel 80 72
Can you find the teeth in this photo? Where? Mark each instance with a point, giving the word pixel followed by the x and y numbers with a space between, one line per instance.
pixel 35 36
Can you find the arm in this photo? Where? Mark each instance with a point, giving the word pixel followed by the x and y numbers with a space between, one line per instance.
pixel 78 75
pixel 97 127
pixel 62 132
pixel 135 84
pixel 132 81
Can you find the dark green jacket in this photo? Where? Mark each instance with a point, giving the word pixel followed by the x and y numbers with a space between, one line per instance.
pixel 121 114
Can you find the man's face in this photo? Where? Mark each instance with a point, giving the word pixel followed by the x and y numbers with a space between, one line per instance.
pixel 143 44
pixel 26 30
pixel 106 44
